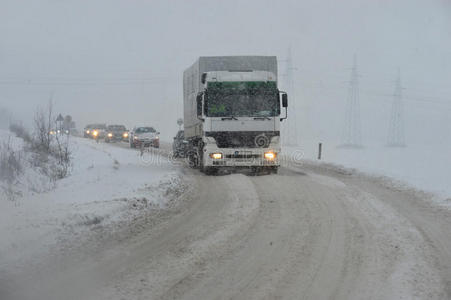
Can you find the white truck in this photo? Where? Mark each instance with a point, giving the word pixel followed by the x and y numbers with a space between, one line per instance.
pixel 232 113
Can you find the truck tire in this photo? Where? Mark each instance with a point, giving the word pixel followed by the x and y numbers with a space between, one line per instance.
pixel 210 170
pixel 192 159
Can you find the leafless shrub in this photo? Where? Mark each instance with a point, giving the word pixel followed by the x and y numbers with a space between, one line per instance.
pixel 47 143
pixel 43 121
pixel 62 153
pixel 11 165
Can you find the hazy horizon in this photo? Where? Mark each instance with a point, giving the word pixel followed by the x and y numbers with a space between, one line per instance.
pixel 122 61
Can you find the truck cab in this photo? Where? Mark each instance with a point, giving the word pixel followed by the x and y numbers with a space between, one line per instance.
pixel 240 113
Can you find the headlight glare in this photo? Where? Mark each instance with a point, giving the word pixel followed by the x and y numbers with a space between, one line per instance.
pixel 216 155
pixel 270 155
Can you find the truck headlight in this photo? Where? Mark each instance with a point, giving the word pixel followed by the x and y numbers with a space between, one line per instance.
pixel 216 155
pixel 125 134
pixel 110 134
pixel 95 133
pixel 270 155
pixel 87 131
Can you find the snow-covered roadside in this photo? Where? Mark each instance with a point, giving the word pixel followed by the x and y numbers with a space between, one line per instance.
pixel 424 167
pixel 107 185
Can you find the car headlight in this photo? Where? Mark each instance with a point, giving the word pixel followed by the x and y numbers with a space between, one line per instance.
pixel 157 137
pixel 135 137
pixel 110 134
pixel 270 155
pixel 216 155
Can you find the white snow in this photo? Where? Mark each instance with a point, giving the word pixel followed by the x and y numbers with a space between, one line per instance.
pixel 425 167
pixel 107 184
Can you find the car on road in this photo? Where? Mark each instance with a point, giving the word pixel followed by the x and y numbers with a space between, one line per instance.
pixel 98 131
pixel 115 133
pixel 87 131
pixel 179 145
pixel 144 137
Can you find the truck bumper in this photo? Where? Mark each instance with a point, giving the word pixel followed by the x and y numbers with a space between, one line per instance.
pixel 243 157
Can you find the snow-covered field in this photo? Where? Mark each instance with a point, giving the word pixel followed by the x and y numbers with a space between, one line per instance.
pixel 107 185
pixel 425 167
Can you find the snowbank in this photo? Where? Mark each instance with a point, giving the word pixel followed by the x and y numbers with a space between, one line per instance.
pixel 424 167
pixel 108 184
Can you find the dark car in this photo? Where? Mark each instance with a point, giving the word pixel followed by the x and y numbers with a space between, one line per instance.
pixel 144 136
pixel 116 133
pixel 97 131
pixel 87 131
pixel 179 145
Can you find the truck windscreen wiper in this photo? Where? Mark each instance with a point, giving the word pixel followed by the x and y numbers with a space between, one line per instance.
pixel 229 118
pixel 262 118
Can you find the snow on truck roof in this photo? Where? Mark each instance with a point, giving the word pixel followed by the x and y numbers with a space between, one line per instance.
pixel 235 63
pixel 240 76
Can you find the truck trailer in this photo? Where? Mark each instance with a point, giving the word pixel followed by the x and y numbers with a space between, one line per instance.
pixel 232 113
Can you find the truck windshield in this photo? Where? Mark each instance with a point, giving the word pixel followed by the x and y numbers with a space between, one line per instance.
pixel 250 98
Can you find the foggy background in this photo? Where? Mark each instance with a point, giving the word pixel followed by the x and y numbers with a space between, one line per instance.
pixel 122 61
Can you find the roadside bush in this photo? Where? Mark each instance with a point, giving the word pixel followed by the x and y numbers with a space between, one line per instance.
pixel 11 164
pixel 61 152
pixel 47 151
pixel 53 150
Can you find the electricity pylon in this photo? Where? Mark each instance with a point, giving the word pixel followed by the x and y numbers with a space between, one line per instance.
pixel 290 131
pixel 352 136
pixel 396 126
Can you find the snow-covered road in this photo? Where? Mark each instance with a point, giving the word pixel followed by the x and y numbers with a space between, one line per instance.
pixel 307 233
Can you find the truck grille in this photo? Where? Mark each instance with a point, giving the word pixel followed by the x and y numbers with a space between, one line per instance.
pixel 242 139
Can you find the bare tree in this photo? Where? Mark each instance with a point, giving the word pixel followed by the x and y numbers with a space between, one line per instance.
pixel 43 121
pixel 50 143
pixel 63 155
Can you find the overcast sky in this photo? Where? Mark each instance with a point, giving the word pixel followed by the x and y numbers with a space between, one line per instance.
pixel 122 61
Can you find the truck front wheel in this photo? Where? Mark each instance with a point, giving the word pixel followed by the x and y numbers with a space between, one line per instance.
pixel 210 170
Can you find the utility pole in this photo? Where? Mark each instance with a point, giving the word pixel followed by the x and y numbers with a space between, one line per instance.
pixel 290 132
pixel 352 136
pixel 396 126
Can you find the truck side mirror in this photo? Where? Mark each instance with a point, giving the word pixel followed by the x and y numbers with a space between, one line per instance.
pixel 199 105
pixel 203 78
pixel 284 100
